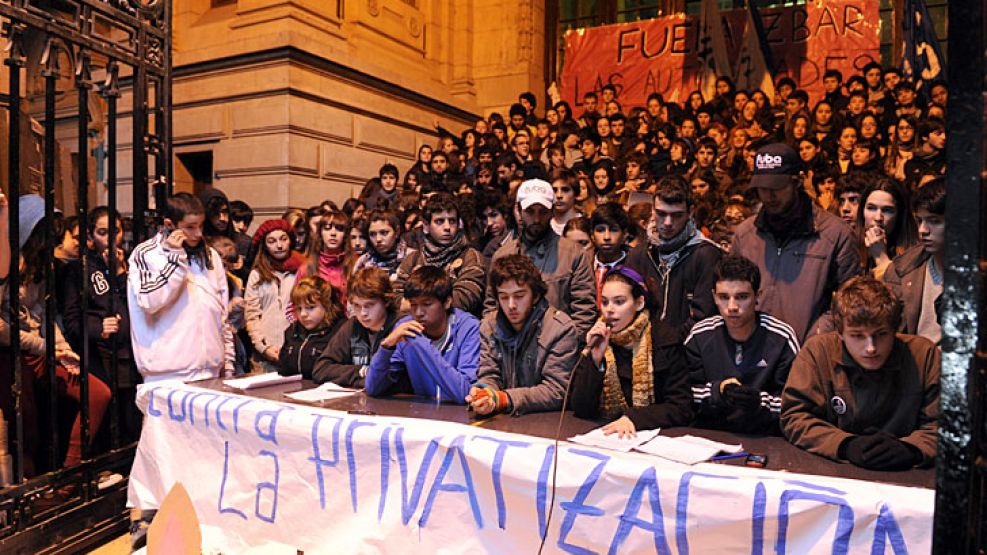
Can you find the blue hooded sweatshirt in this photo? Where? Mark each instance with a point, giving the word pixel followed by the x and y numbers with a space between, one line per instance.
pixel 449 370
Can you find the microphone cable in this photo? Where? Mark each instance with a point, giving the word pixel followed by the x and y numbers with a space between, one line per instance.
pixel 555 452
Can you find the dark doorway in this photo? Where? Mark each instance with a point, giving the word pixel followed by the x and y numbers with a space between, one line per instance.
pixel 193 173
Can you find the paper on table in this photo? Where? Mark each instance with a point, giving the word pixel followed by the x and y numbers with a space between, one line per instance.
pixel 261 380
pixel 324 392
pixel 596 438
pixel 686 449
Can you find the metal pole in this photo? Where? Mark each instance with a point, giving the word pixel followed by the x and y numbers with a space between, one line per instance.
pixel 82 84
pixel 15 61
pixel 50 72
pixel 166 126
pixel 139 90
pixel 157 146
pixel 110 92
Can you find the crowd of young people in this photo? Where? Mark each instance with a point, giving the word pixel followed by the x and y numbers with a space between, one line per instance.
pixel 768 266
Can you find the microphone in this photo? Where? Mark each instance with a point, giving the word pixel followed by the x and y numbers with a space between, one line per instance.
pixel 593 343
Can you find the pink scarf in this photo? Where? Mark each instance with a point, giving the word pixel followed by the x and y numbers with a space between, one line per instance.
pixel 332 268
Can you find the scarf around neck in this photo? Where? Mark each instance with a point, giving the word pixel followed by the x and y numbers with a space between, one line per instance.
pixel 442 255
pixel 670 250
pixel 637 337
pixel 332 268
pixel 514 343
pixel 797 220
pixel 389 262
pixel 330 259
pixel 289 264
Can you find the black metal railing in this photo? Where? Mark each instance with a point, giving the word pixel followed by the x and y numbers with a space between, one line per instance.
pixel 106 50
pixel 961 482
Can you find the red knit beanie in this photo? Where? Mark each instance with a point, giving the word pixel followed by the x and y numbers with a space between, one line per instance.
pixel 269 226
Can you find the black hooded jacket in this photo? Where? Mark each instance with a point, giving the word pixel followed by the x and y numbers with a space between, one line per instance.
pixel 107 296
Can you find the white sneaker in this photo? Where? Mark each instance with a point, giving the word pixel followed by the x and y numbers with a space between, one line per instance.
pixel 108 480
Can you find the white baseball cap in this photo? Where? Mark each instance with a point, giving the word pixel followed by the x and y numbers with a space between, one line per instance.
pixel 535 191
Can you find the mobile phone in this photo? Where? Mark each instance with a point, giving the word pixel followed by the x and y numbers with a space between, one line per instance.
pixel 168 230
pixel 757 461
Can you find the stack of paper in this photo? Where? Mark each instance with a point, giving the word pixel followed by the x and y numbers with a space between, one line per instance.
pixel 596 438
pixel 686 449
pixel 324 392
pixel 261 380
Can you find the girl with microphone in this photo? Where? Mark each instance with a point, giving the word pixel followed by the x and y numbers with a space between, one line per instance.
pixel 634 373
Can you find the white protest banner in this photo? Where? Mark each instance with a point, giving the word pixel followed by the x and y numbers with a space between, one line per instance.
pixel 262 473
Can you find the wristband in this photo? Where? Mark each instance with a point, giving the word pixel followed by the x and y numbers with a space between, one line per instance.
pixel 499 398
pixel 502 401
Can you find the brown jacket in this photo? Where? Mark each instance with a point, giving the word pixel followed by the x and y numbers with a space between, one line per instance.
pixel 536 374
pixel 799 276
pixel 468 273
pixel 568 272
pixel 829 398
pixel 906 277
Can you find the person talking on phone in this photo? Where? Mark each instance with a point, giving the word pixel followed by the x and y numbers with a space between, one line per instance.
pixel 633 371
pixel 177 295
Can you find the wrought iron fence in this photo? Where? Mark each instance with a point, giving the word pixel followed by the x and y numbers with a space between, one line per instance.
pixel 77 72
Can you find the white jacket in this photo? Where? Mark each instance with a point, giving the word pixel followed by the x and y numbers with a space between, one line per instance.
pixel 265 307
pixel 177 314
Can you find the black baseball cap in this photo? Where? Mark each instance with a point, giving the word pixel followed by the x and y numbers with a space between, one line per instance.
pixel 774 166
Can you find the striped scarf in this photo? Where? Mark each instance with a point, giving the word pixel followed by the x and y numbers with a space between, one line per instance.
pixel 637 336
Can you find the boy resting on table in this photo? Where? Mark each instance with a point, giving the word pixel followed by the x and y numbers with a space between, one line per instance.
pixel 864 394
pixel 432 353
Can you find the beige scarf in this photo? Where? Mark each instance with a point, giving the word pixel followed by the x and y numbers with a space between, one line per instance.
pixel 638 337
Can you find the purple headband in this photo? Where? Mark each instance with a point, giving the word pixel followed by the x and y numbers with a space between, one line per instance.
pixel 628 273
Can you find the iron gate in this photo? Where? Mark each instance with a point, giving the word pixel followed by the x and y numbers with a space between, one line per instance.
pixel 76 72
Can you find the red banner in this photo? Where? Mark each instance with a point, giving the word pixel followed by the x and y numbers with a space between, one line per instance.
pixel 659 55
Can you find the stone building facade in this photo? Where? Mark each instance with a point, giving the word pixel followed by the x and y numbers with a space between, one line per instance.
pixel 290 102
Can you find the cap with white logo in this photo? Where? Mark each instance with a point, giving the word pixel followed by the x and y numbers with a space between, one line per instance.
pixel 535 191
pixel 774 166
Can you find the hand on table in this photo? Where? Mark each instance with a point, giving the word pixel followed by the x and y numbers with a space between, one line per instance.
pixel 622 426
pixel 742 396
pixel 880 451
pixel 481 402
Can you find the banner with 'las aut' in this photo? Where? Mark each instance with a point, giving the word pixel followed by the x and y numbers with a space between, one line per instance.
pixel 661 55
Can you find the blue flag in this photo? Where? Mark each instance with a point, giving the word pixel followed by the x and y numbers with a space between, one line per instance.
pixel 922 60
